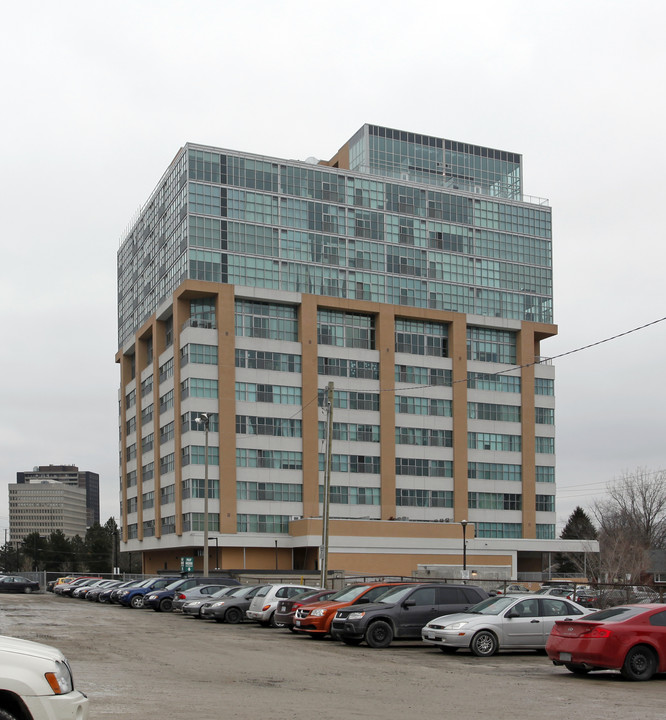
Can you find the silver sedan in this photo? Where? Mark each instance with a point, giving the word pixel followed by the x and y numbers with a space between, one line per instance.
pixel 504 622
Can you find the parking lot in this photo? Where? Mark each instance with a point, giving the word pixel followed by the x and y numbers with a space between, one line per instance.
pixel 133 663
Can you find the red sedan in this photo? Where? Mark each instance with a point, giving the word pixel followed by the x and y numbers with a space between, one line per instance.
pixel 628 638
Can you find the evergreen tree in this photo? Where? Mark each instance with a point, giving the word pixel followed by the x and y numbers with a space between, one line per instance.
pixel 579 526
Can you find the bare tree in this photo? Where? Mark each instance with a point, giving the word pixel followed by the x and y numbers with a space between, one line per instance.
pixel 630 522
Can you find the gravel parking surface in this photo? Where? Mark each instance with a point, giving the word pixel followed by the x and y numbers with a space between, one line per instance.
pixel 134 663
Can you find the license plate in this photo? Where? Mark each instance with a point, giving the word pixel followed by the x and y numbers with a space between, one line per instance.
pixel 566 657
pixel 430 636
pixel 297 622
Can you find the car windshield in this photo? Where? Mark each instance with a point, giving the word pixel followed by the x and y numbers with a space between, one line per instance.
pixel 176 584
pixel 348 593
pixel 395 594
pixel 493 605
pixel 615 614
pixel 236 592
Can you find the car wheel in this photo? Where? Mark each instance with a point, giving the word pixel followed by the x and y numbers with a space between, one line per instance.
pixel 576 669
pixel 4 715
pixel 274 624
pixel 137 601
pixel 233 616
pixel 640 663
pixel 379 634
pixel 484 644
pixel 166 605
pixel 27 590
pixel 447 649
pixel 349 641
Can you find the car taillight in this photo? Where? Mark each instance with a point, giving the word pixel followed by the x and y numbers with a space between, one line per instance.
pixel 597 632
pixel 266 607
pixel 181 596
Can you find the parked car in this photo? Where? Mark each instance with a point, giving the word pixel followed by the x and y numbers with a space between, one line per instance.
pixel 82 591
pixel 230 609
pixel 133 596
pixel 401 612
pixel 503 622
pixel 112 596
pixel 59 581
pixel 628 638
pixel 556 591
pixel 17 584
pixel 200 592
pixel 286 609
pixel 60 588
pixel 264 603
pixel 194 607
pixel 68 590
pixel 512 588
pixel 36 683
pixel 315 618
pixel 94 592
pixel 161 600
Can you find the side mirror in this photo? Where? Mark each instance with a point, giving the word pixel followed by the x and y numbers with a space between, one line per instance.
pixel 409 603
pixel 512 614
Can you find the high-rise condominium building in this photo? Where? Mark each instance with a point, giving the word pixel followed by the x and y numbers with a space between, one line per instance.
pixel 412 273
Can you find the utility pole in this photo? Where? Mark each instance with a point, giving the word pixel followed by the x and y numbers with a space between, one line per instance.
pixel 327 487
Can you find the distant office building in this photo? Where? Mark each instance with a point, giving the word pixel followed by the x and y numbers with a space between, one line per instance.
pixel 44 506
pixel 72 476
pixel 410 271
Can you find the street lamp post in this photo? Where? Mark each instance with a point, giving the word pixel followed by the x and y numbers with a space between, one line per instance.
pixel 203 418
pixel 464 530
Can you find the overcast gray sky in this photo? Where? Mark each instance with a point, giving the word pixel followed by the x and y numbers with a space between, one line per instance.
pixel 99 96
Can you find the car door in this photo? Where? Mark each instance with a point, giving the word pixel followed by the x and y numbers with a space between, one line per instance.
pixel 522 625
pixel 415 611
pixel 553 609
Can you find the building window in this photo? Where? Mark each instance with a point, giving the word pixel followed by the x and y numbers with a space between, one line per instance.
pixel 490 411
pixel 544 386
pixel 148 500
pixel 545 532
pixel 545 445
pixel 148 471
pixel 423 436
pixel 198 387
pixel 485 345
pixel 196 455
pixel 202 313
pixel 167 463
pixel 545 473
pixel 262 523
pixel 166 433
pixel 166 401
pixel 423 406
pixel 130 399
pixel 493 441
pixel 281 394
pixel 351 432
pixel 421 338
pixel 199 354
pixel 349 330
pixel 270 321
pixel 130 425
pixel 189 422
pixel 544 416
pixel 282 492
pixel 409 497
pixel 264 360
pixel 195 488
pixel 166 370
pixel 423 375
pixel 423 467
pixel 498 530
pixel 494 471
pixel 491 381
pixel 271 426
pixel 167 494
pixel 131 451
pixel 195 522
pixel 340 367
pixel 169 525
pixel 545 503
pixel 147 386
pixel 350 495
pixel 147 443
pixel 275 459
pixel 494 501
pixel 148 528
pixel 131 478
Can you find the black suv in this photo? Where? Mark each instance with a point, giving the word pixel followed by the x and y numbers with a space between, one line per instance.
pixel 401 612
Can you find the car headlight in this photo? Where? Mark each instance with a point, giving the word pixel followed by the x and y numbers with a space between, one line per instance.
pixel 123 593
pixel 355 615
pixel 318 613
pixel 456 625
pixel 217 604
pixel 61 680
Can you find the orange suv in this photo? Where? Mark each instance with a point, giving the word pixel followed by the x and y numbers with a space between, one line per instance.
pixel 315 619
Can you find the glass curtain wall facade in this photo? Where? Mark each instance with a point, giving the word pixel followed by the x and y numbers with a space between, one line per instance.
pixel 409 270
